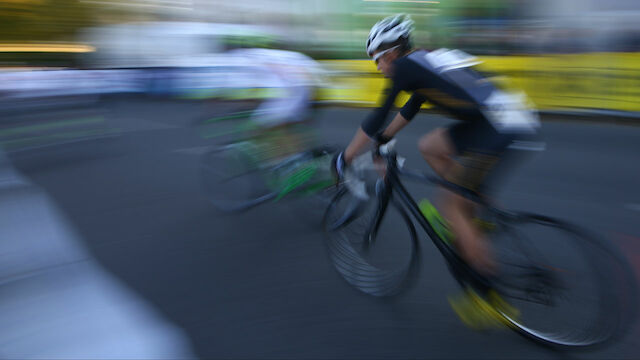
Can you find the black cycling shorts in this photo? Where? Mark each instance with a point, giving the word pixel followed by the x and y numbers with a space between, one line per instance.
pixel 480 149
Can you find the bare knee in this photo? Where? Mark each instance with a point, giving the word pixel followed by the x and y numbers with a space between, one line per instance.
pixel 435 143
pixel 423 145
pixel 436 149
pixel 426 143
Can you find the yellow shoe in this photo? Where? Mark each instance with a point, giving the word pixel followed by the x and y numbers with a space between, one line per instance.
pixel 504 309
pixel 480 314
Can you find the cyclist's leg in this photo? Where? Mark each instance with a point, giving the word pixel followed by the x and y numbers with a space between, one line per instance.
pixel 284 119
pixel 438 150
pixel 268 118
pixel 480 149
pixel 459 212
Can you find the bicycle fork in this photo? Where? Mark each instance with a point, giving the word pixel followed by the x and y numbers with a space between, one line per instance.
pixel 383 193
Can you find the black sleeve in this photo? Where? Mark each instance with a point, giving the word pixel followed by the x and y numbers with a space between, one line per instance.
pixel 411 108
pixel 377 119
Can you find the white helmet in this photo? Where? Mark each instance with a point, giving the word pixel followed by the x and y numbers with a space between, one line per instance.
pixel 388 30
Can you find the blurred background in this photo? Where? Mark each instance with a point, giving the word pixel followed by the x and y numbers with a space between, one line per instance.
pixel 570 55
pixel 109 247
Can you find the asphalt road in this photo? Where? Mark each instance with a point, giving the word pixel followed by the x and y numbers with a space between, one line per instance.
pixel 260 284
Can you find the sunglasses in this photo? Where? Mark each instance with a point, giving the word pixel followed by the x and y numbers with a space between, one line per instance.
pixel 377 56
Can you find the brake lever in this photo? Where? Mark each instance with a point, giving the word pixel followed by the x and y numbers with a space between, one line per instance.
pixel 387 150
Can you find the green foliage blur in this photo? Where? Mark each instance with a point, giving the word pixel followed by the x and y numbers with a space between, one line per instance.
pixel 42 20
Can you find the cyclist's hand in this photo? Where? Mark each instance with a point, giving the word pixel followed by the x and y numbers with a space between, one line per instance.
pixel 338 166
pixel 378 160
pixel 381 139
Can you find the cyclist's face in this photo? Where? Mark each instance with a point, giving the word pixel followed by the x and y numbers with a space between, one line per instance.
pixel 385 63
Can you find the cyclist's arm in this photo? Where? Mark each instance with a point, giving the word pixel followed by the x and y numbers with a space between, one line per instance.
pixel 358 143
pixel 395 126
pixel 406 114
pixel 376 120
pixel 371 125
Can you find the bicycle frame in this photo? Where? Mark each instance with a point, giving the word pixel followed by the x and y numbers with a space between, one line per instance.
pixel 393 186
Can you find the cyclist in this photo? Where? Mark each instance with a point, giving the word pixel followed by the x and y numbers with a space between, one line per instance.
pixel 282 118
pixel 466 153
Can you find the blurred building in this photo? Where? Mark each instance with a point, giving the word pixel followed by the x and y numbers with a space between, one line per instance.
pixel 338 28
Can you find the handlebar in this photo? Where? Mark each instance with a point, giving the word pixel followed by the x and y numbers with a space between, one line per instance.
pixel 395 162
pixel 387 151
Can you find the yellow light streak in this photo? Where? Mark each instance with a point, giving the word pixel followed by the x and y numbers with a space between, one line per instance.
pixel 63 48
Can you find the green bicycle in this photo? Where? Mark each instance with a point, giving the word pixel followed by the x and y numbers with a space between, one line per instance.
pixel 244 169
pixel 237 178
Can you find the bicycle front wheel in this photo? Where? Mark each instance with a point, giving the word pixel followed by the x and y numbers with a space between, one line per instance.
pixel 233 180
pixel 377 259
pixel 570 288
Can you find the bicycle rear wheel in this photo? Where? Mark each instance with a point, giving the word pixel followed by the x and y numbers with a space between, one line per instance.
pixel 378 263
pixel 232 179
pixel 570 288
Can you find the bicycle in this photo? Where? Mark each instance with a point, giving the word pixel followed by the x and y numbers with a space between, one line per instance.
pixel 535 286
pixel 243 170
pixel 237 178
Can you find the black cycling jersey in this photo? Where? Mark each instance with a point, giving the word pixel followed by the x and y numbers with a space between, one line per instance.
pixel 444 78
